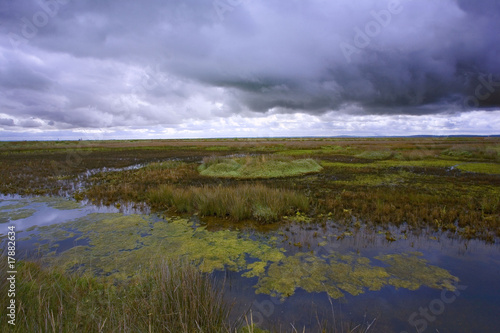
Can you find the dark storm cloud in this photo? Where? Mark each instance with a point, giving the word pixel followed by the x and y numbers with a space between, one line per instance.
pixel 118 63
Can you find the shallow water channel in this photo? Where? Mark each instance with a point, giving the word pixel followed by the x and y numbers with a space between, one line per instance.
pixel 300 274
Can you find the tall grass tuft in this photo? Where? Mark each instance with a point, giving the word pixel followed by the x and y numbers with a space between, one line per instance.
pixel 240 202
pixel 172 297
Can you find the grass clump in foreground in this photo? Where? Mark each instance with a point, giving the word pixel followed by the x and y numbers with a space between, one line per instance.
pixel 171 297
pixel 263 166
pixel 236 202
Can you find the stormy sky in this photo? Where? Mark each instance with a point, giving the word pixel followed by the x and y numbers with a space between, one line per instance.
pixel 224 68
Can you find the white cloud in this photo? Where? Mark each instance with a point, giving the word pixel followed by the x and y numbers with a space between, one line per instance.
pixel 284 125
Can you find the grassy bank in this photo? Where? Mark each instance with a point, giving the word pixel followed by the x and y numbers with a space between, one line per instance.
pixel 167 298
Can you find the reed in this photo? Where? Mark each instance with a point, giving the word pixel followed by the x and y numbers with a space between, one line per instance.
pixel 239 202
pixel 171 297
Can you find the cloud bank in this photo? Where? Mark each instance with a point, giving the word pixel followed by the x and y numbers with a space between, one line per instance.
pixel 165 66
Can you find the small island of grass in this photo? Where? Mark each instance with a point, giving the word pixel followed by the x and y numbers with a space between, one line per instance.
pixel 263 166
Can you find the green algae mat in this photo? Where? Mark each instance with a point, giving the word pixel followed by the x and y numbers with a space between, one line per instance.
pixel 119 246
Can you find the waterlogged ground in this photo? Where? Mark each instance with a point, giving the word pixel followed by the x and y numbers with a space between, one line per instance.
pixel 300 274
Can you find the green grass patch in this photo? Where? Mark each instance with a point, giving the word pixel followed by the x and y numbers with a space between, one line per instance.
pixel 164 165
pixel 489 168
pixel 473 152
pixel 431 163
pixel 376 154
pixel 328 164
pixel 334 149
pixel 264 166
pixel 460 153
pixel 398 178
pixel 295 152
pixel 218 148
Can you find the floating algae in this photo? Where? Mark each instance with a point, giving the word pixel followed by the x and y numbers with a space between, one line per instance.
pixel 25 208
pixel 58 203
pixel 338 274
pixel 14 211
pixel 119 246
pixel 410 271
pixel 16 214
pixel 17 205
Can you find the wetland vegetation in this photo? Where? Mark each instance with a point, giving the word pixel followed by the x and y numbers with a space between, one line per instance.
pixel 117 264
pixel 449 184
pixel 262 166
pixel 211 200
pixel 171 297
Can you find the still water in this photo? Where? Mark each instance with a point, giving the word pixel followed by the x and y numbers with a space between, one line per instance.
pixel 300 274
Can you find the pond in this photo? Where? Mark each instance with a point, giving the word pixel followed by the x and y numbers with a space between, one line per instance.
pixel 299 274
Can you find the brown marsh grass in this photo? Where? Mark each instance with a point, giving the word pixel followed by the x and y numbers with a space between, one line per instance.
pixel 239 202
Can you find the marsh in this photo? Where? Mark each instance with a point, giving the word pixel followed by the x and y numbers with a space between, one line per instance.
pixel 314 233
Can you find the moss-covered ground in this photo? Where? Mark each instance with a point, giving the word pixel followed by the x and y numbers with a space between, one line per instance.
pixel 263 166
